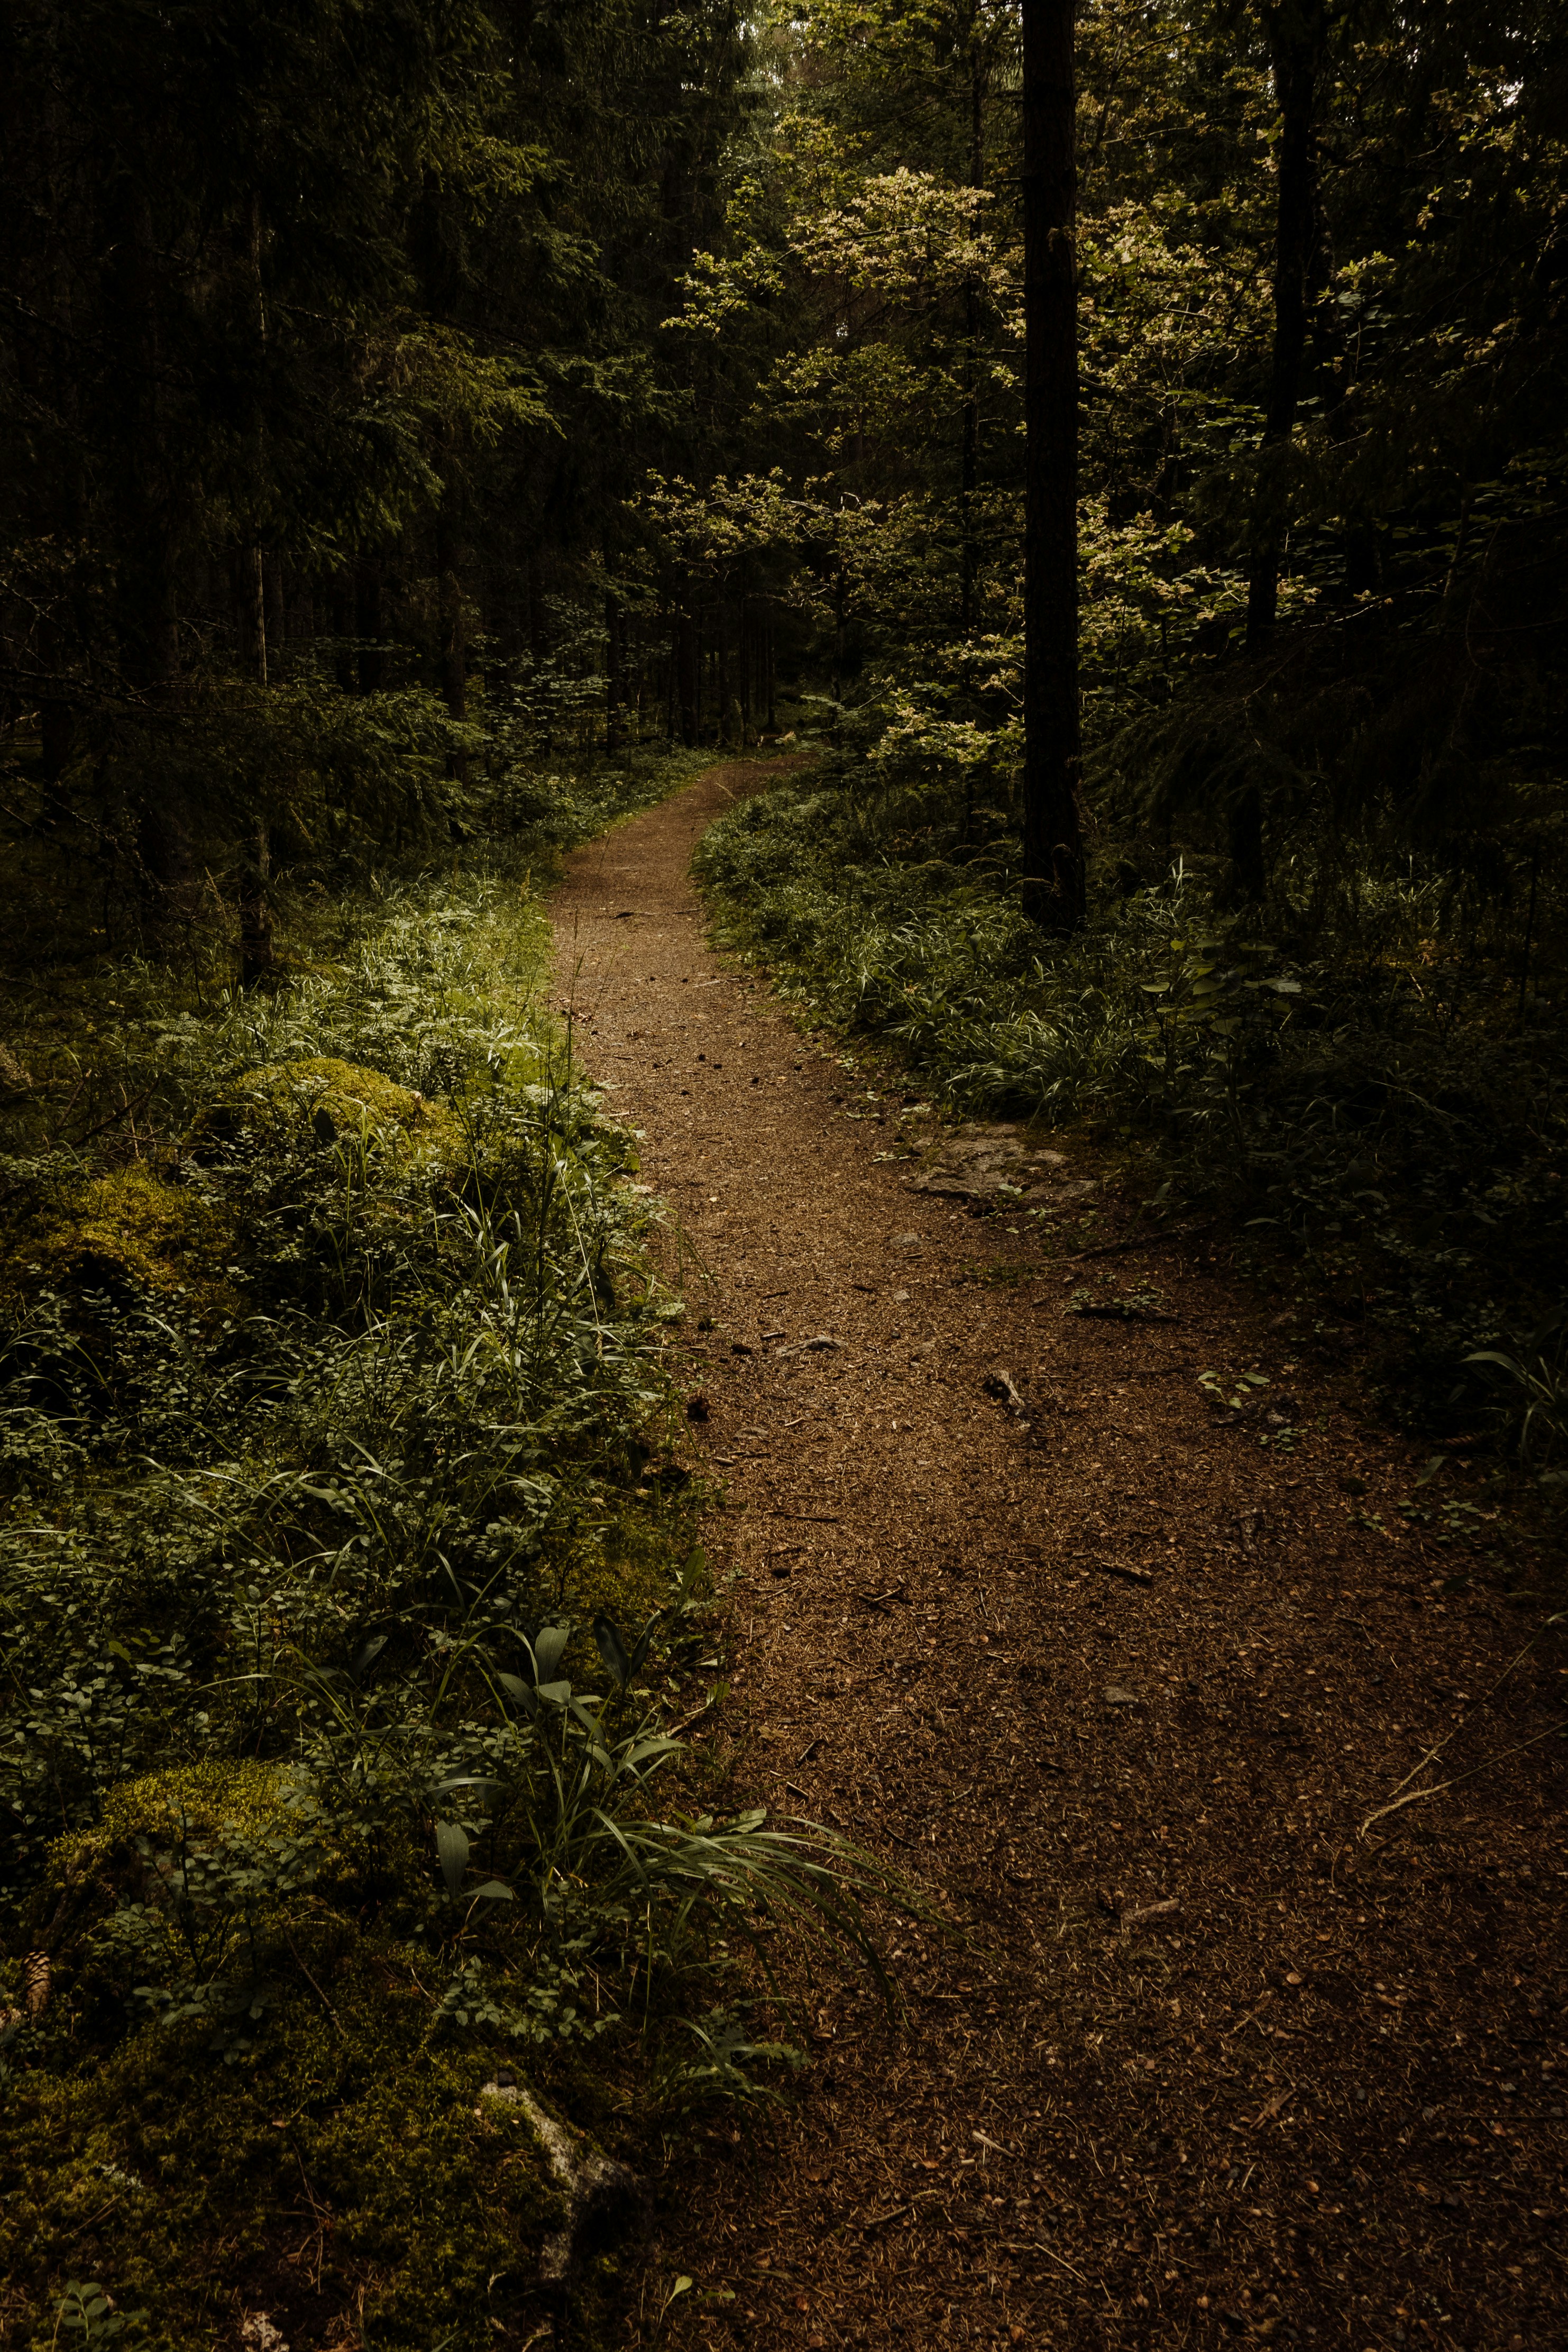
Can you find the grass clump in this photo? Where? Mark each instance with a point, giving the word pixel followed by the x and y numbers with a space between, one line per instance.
pixel 349 1578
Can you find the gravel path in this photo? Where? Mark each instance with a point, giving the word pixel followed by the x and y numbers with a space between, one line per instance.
pixel 1122 1686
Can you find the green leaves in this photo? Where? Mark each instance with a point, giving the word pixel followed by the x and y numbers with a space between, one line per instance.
pixel 88 2316
pixel 547 1648
pixel 452 1851
pixel 622 1664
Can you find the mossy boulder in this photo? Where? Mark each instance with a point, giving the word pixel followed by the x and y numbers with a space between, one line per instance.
pixel 322 1099
pixel 338 2182
pixel 128 1230
pixel 241 1796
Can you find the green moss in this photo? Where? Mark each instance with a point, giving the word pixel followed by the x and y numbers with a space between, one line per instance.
pixel 242 1796
pixel 342 2183
pixel 328 1099
pixel 127 1229
pixel 382 1430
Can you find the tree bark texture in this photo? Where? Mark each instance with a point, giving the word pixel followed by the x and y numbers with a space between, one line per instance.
pixel 614 672
pixel 969 475
pixel 688 675
pixel 1053 758
pixel 257 956
pixel 1297 35
pixel 452 649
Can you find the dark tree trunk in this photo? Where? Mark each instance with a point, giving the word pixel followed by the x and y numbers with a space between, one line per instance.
pixel 454 653
pixel 367 626
pixel 971 450
pixel 688 673
pixel 721 663
pixel 56 722
pixel 345 665
pixel 250 613
pixel 1052 827
pixel 1297 35
pixel 257 958
pixel 275 612
pixel 614 674
pixel 539 637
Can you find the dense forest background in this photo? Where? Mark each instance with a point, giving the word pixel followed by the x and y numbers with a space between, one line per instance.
pixel 402 402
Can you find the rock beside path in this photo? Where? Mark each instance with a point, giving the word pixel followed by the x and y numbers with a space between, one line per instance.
pixel 998 1161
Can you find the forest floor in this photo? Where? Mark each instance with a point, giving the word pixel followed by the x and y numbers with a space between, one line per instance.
pixel 1120 1685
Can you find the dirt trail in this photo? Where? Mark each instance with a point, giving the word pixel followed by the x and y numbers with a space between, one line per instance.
pixel 1210 2067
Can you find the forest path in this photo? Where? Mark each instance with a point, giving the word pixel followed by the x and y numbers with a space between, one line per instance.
pixel 1208 2065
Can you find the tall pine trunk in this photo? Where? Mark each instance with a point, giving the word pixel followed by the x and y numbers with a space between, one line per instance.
pixel 1054 755
pixel 970 476
pixel 1297 35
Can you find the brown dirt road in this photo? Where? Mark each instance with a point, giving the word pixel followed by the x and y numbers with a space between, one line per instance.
pixel 1210 2066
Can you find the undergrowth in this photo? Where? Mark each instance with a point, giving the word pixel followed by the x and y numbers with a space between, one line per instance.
pixel 349 1586
pixel 1352 1072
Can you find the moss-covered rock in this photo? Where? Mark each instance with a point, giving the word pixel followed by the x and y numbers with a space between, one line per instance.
pixel 322 1098
pixel 128 1230
pixel 349 2182
pixel 214 1794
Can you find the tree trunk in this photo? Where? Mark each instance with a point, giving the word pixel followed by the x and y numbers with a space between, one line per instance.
pixel 1297 35
pixel 453 652
pixel 688 673
pixel 367 626
pixel 250 613
pixel 614 674
pixel 1052 827
pixel 970 457
pixel 275 612
pixel 256 957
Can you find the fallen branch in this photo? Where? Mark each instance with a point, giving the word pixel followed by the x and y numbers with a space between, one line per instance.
pixel 1150 1911
pixel 1433 1753
pixel 125 1110
pixel 1416 1795
pixel 1145 1240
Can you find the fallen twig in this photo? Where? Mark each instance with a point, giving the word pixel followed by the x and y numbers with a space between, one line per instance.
pixel 1485 1700
pixel 125 1110
pixel 1414 1796
pixel 1114 1314
pixel 1002 1385
pixel 1059 2260
pixel 1150 1911
pixel 1145 1240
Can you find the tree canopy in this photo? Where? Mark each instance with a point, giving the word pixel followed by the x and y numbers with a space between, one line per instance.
pixel 589 359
